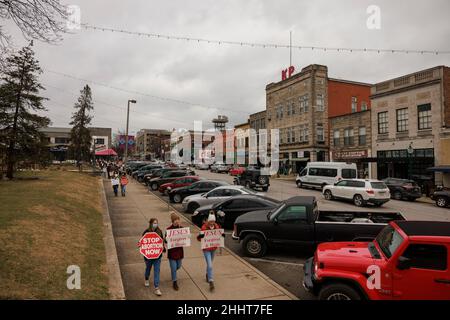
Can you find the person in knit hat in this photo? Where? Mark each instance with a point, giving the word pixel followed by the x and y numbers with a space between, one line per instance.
pixel 175 255
pixel 209 253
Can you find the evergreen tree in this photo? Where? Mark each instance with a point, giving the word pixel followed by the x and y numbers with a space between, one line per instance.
pixel 80 134
pixel 19 102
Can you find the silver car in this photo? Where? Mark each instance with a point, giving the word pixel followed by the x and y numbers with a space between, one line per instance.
pixel 216 195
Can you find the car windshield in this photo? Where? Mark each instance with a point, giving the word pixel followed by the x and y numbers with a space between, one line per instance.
pixel 249 191
pixel 378 185
pixel 274 211
pixel 389 240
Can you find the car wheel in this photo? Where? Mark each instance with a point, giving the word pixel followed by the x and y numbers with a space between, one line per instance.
pixel 192 207
pixel 154 186
pixel 328 195
pixel 263 180
pixel 397 195
pixel 358 200
pixel 322 186
pixel 177 198
pixel 265 189
pixel 441 202
pixel 254 246
pixel 339 291
pixel 299 184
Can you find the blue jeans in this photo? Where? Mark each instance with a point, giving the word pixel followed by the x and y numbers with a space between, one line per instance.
pixel 148 267
pixel 174 266
pixel 115 188
pixel 209 257
pixel 123 189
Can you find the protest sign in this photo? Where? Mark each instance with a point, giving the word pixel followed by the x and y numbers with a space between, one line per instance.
pixel 179 237
pixel 213 238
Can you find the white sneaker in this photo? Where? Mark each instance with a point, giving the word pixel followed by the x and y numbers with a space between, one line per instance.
pixel 158 292
pixel 147 283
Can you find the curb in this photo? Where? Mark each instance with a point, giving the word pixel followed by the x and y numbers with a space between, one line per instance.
pixel 116 291
pixel 250 266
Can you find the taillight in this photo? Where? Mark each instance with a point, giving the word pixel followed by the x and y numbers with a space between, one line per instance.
pixel 339 178
pixel 370 191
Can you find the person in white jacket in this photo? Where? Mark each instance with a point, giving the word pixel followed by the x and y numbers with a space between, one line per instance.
pixel 115 184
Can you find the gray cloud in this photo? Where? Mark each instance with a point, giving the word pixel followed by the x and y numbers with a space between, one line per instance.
pixel 229 77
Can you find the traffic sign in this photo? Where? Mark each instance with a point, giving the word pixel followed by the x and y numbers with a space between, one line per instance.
pixel 151 245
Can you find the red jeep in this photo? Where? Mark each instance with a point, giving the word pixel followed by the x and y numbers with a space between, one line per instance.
pixel 408 260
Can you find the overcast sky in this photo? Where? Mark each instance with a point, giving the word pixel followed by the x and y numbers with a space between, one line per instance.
pixel 224 79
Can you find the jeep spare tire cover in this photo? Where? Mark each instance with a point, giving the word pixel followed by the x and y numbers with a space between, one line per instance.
pixel 263 179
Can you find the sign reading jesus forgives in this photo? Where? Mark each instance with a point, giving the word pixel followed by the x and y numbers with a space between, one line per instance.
pixel 213 238
pixel 180 237
pixel 151 245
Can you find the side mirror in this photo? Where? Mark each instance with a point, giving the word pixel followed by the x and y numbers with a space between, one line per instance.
pixel 403 263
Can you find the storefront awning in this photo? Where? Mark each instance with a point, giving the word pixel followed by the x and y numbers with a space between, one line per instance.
pixel 107 152
pixel 445 169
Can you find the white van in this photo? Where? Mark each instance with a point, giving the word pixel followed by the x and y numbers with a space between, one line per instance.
pixel 320 174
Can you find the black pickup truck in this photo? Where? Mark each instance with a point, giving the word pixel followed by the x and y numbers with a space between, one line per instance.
pixel 298 223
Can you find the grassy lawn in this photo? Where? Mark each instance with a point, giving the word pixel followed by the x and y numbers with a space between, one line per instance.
pixel 45 226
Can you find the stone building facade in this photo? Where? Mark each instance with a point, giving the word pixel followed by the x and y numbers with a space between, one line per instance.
pixel 411 125
pixel 150 143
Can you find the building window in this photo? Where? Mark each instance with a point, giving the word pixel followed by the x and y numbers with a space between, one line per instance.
pixel 319 132
pixel 402 120
pixel 336 135
pixel 319 102
pixel 304 103
pixel 304 133
pixel 281 136
pixel 424 116
pixel 362 136
pixel 382 122
pixel 348 137
pixel 363 106
pixel 354 104
pixel 61 140
pixel 99 141
pixel 293 134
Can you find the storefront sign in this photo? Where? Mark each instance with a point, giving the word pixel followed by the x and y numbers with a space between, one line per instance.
pixel 179 237
pixel 287 73
pixel 349 154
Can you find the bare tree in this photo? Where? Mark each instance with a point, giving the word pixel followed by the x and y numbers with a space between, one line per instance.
pixel 41 20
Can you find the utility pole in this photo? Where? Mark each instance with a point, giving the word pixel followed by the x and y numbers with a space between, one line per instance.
pixel 126 133
pixel 290 48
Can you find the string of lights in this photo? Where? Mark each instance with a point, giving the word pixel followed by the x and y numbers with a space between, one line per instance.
pixel 143 93
pixel 261 45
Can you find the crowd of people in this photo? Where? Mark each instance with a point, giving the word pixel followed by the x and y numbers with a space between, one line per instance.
pixel 115 171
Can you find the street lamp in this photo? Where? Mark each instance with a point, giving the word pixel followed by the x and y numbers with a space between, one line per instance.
pixel 126 132
pixel 410 151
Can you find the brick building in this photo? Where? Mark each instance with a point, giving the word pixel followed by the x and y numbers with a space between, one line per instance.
pixel 150 143
pixel 411 125
pixel 300 107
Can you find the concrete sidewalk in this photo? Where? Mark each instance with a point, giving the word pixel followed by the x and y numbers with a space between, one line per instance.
pixel 234 278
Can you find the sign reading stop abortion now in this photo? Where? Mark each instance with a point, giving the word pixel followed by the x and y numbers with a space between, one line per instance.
pixel 151 245
pixel 179 237
pixel 212 239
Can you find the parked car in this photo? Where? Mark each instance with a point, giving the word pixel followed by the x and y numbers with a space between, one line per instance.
pixel 228 210
pixel 219 168
pixel 403 189
pixel 158 172
pixel 216 195
pixel 146 170
pixel 236 171
pixel 253 178
pixel 166 177
pixel 442 197
pixel 298 223
pixel 177 195
pixel 178 183
pixel 359 191
pixel 319 174
pixel 202 166
pixel 411 256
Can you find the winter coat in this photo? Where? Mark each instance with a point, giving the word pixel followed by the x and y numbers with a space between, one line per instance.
pixel 175 253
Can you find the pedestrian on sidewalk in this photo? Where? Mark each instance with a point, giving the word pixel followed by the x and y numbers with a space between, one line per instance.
pixel 156 263
pixel 209 253
pixel 123 183
pixel 115 184
pixel 175 255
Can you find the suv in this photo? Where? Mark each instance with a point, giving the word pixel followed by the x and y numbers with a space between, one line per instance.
pixel 360 191
pixel 252 178
pixel 442 197
pixel 408 260
pixel 403 189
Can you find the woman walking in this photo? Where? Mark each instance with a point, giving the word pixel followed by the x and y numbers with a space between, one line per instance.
pixel 175 255
pixel 156 263
pixel 123 183
pixel 209 253
pixel 115 184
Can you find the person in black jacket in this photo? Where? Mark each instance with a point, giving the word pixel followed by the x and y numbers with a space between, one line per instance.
pixel 156 263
